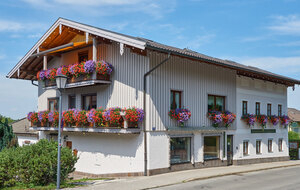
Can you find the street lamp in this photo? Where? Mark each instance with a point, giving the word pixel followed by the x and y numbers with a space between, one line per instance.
pixel 61 81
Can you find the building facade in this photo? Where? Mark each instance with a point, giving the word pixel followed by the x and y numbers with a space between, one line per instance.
pixel 156 78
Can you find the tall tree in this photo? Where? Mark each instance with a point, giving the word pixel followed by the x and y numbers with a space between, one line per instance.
pixel 7 137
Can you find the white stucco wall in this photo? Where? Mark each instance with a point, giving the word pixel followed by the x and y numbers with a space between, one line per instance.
pixel 254 91
pixel 22 139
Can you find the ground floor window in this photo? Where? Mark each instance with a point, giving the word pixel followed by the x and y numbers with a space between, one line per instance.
pixel 245 148
pixel 211 147
pixel 280 145
pixel 258 146
pixel 180 150
pixel 270 145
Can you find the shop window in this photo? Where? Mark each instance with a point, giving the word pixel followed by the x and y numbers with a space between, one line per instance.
pixel 245 108
pixel 216 103
pixel 72 101
pixel 175 99
pixel 211 147
pixel 89 101
pixel 280 149
pixel 258 146
pixel 257 108
pixel 246 148
pixel 53 104
pixel 270 145
pixel 180 150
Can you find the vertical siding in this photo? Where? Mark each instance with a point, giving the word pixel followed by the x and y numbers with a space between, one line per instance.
pixel 126 89
pixel 196 80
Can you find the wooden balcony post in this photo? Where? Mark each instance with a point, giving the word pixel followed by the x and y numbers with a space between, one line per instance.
pixel 94 49
pixel 45 62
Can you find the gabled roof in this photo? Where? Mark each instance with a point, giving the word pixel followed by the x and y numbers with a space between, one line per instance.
pixel 294 114
pixel 142 43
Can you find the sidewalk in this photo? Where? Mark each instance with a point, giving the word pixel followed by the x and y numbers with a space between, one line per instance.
pixel 166 179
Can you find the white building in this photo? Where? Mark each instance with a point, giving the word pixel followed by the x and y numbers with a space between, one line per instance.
pixel 183 79
pixel 24 135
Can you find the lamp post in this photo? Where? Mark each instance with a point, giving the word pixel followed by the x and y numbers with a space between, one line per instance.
pixel 61 81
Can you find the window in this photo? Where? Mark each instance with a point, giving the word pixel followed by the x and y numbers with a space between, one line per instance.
pixel 89 101
pixel 257 108
pixel 180 150
pixel 280 145
pixel 175 99
pixel 245 148
pixel 211 147
pixel 279 110
pixel 216 103
pixel 245 108
pixel 270 145
pixel 83 56
pixel 258 146
pixel 72 101
pixel 269 110
pixel 53 104
pixel 69 144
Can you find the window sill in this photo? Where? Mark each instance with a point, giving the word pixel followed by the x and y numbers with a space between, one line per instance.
pixel 187 162
pixel 259 153
pixel 209 159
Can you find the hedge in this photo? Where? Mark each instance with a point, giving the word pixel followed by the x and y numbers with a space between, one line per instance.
pixel 34 164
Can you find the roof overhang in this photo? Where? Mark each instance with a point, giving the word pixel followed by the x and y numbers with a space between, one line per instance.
pixel 79 27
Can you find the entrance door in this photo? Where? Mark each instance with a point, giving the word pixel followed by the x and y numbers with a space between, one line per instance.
pixel 229 149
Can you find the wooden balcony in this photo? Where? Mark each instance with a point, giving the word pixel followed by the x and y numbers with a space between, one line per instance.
pixel 81 81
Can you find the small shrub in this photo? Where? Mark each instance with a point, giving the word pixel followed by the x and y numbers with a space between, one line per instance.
pixel 293 136
pixel 34 164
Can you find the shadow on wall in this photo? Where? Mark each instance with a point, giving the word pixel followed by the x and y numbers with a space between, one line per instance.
pixel 108 144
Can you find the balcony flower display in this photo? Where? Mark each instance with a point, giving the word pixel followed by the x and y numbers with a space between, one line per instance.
pixel 274 119
pixel 43 117
pixel 262 120
pixel 104 68
pixel 228 118
pixel 215 117
pixel 89 66
pixel 250 119
pixel 33 118
pixel 133 116
pixel 113 117
pixel 41 75
pixel 53 118
pixel 50 74
pixel 82 119
pixel 69 117
pixel 62 70
pixel 96 116
pixel 285 120
pixel 180 115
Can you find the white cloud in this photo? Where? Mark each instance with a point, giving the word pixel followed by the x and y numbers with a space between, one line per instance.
pixel 200 40
pixel 289 44
pixel 2 56
pixel 13 26
pixel 286 25
pixel 253 39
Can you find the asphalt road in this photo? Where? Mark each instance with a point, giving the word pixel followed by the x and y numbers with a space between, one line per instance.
pixel 281 179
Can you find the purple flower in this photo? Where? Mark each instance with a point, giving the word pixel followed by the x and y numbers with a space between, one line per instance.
pixel 91 115
pixel 47 73
pixel 50 116
pixel 72 69
pixel 42 74
pixel 89 66
pixel 141 114
pixel 40 115
pixel 29 116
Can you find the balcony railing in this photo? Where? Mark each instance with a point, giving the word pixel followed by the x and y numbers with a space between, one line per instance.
pixel 84 80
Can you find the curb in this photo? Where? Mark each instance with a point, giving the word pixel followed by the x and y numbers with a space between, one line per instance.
pixel 221 175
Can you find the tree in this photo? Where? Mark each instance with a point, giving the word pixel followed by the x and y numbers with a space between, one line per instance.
pixel 293 135
pixel 7 137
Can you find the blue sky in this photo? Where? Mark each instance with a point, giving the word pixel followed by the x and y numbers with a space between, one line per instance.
pixel 262 33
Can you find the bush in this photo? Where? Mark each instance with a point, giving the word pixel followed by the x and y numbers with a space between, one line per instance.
pixel 34 164
pixel 293 136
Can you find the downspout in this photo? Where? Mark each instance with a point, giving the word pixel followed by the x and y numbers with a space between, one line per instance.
pixel 144 108
pixel 34 84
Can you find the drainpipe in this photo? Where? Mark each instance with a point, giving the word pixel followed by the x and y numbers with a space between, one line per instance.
pixel 144 108
pixel 34 84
